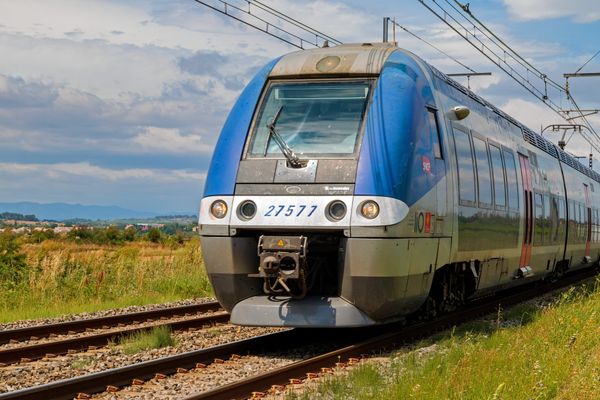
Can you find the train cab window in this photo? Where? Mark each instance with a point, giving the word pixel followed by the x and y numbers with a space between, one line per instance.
pixel 464 160
pixel 315 119
pixel 435 129
pixel 511 180
pixel 483 173
pixel 538 236
pixel 498 174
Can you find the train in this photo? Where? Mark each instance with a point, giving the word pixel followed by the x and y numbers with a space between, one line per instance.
pixel 358 185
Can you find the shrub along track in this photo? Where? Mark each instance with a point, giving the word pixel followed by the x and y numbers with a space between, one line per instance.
pixel 114 325
pixel 348 344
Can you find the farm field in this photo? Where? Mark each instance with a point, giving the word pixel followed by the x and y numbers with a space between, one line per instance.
pixel 61 277
pixel 533 351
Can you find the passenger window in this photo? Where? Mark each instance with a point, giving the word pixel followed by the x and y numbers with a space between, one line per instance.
pixel 561 219
pixel 511 180
pixel 435 129
pixel 548 237
pixel 464 160
pixel 539 220
pixel 483 173
pixel 498 174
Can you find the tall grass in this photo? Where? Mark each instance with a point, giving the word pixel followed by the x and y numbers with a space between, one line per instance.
pixel 67 278
pixel 525 353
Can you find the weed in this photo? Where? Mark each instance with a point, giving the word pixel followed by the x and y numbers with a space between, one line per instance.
pixel 157 338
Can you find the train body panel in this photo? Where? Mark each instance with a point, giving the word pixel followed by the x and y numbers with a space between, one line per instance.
pixel 346 190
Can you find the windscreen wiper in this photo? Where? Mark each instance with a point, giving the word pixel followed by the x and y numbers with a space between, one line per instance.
pixel 292 158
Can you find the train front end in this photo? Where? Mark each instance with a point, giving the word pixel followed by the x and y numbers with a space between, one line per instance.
pixel 302 213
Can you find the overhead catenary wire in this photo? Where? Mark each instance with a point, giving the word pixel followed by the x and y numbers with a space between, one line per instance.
pixel 587 62
pixel 507 59
pixel 431 45
pixel 274 23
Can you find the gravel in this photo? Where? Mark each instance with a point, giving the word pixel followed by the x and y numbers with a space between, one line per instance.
pixel 77 364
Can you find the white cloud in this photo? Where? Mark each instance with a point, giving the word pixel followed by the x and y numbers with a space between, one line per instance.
pixel 583 11
pixel 161 140
pixel 61 171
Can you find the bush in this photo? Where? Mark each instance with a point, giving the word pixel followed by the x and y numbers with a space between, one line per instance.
pixel 13 268
pixel 154 235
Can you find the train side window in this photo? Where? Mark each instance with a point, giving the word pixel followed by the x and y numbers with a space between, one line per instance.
pixel 436 139
pixel 498 174
pixel 548 230
pixel 464 160
pixel 511 180
pixel 538 237
pixel 561 218
pixel 483 173
pixel 572 222
pixel 580 221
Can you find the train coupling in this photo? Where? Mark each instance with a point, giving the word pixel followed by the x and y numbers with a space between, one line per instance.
pixel 282 264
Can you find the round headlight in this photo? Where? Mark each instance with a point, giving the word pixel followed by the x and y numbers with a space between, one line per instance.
pixel 247 209
pixel 336 210
pixel 369 209
pixel 218 209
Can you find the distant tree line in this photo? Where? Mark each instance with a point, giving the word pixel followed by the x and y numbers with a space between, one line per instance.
pixel 17 216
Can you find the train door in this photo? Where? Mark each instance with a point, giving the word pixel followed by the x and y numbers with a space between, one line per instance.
pixel 528 221
pixel 588 208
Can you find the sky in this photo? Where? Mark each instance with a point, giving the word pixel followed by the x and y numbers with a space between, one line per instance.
pixel 121 102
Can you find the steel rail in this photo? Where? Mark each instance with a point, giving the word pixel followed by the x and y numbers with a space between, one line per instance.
pixel 244 389
pixel 112 320
pixel 123 376
pixel 37 351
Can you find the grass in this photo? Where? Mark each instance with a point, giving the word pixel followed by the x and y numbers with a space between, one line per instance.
pixel 524 353
pixel 157 338
pixel 67 278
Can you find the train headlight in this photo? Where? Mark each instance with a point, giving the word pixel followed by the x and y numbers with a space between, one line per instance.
pixel 247 209
pixel 218 209
pixel 336 210
pixel 369 209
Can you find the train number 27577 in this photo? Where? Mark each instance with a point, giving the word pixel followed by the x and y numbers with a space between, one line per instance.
pixel 290 210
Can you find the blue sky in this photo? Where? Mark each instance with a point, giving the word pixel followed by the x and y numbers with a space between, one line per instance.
pixel 121 102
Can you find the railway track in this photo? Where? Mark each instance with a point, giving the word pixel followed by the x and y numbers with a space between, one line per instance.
pixel 116 326
pixel 70 327
pixel 361 341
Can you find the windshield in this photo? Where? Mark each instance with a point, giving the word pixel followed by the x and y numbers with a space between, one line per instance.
pixel 316 119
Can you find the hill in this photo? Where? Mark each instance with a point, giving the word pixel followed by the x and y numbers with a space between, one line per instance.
pixel 65 211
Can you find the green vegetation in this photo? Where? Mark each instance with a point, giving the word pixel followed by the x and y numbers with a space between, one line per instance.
pixel 525 353
pixel 17 216
pixel 158 337
pixel 61 276
pixel 13 269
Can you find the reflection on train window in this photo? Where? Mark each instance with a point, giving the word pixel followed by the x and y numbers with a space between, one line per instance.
pixel 547 220
pixel 511 180
pixel 483 172
pixel 466 175
pixel 435 130
pixel 498 173
pixel 538 237
pixel 321 118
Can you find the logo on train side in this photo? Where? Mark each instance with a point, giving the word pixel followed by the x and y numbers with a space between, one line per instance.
pixel 426 164
pixel 423 222
pixel 293 189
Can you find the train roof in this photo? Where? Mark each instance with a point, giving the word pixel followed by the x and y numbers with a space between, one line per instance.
pixel 347 59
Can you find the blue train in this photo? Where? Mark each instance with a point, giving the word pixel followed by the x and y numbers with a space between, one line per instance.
pixel 356 185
